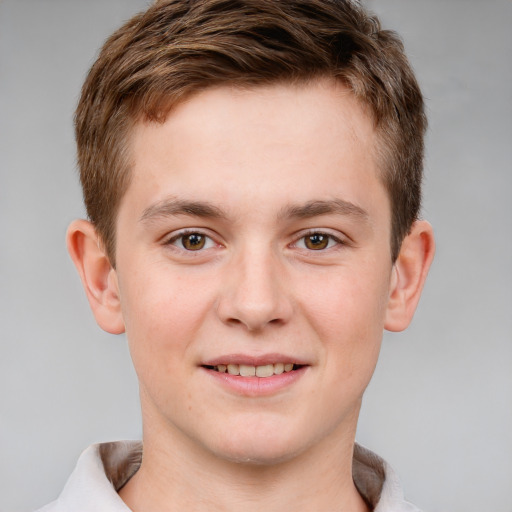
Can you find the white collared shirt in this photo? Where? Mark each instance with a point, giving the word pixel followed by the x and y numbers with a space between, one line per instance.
pixel 104 468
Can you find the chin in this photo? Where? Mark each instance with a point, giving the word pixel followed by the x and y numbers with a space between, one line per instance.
pixel 260 449
pixel 255 457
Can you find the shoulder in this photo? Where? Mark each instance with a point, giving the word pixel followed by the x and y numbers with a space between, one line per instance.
pixel 378 483
pixel 51 507
pixel 101 470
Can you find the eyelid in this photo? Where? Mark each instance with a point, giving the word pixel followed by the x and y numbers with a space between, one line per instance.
pixel 169 239
pixel 340 239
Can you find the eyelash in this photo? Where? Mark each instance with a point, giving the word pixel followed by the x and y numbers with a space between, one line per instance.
pixel 332 241
pixel 187 233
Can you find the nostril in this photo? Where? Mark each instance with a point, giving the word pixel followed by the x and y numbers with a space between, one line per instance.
pixel 253 303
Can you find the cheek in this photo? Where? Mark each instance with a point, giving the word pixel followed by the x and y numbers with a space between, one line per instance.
pixel 346 301
pixel 163 312
pixel 347 312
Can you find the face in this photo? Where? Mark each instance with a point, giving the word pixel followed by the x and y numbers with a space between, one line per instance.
pixel 254 269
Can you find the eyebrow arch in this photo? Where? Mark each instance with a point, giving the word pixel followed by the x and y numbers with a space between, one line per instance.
pixel 171 207
pixel 316 208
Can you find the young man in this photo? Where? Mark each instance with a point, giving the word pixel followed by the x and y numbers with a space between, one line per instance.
pixel 251 171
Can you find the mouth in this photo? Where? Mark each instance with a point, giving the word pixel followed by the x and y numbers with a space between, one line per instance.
pixel 263 371
pixel 263 375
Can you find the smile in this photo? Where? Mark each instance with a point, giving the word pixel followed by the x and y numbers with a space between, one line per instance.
pixel 243 370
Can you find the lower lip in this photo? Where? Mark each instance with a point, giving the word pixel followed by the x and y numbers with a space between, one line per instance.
pixel 257 386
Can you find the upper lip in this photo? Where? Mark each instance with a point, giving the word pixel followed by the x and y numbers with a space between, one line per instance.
pixel 253 360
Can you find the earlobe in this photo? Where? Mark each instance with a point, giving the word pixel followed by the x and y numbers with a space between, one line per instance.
pixel 98 277
pixel 409 274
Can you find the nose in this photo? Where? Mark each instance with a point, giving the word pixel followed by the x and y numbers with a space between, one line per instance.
pixel 254 293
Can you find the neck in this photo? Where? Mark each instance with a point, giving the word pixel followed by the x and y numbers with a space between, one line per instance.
pixel 178 475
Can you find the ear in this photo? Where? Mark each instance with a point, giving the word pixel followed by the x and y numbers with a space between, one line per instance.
pixel 98 276
pixel 408 275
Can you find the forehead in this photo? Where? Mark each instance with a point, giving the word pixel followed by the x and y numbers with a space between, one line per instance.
pixel 286 107
pixel 282 142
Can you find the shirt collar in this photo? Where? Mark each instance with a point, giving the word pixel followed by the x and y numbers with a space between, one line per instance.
pixel 104 468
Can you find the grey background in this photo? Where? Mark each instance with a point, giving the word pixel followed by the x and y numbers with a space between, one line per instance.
pixel 440 406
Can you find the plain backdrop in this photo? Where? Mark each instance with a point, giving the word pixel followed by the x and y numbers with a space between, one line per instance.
pixel 440 406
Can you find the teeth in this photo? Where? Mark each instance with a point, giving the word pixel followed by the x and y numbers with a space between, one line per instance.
pixel 233 369
pixel 265 371
pixel 245 370
pixel 278 368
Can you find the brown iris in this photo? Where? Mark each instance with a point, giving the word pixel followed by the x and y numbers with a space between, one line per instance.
pixel 316 241
pixel 193 241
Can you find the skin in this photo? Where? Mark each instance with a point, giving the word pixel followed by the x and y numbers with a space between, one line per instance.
pixel 256 172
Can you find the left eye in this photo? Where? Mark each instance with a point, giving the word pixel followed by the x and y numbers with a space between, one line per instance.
pixel 192 241
pixel 317 241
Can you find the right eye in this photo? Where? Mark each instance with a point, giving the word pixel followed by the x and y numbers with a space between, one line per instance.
pixel 191 241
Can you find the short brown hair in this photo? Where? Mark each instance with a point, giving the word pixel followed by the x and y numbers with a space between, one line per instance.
pixel 178 47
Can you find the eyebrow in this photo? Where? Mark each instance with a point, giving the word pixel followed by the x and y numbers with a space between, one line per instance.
pixel 316 208
pixel 172 207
